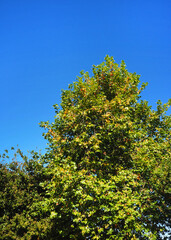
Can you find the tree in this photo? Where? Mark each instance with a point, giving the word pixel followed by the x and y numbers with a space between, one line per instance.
pixel 21 216
pixel 106 174
pixel 109 154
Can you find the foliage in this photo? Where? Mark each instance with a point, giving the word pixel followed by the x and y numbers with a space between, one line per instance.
pixel 20 190
pixel 109 154
pixel 106 173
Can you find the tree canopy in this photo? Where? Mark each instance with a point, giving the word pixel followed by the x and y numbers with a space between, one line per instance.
pixel 107 166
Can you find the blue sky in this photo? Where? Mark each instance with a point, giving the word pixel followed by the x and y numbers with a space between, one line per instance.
pixel 45 44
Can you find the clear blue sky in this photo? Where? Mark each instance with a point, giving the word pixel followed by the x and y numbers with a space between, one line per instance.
pixel 44 44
